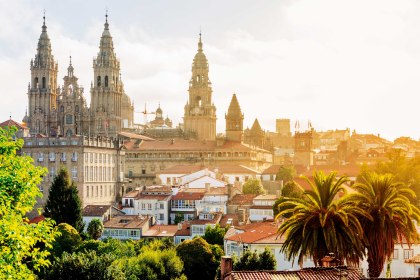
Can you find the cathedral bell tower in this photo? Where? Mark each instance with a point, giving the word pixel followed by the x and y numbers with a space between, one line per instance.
pixel 72 108
pixel 106 90
pixel 200 112
pixel 234 121
pixel 42 90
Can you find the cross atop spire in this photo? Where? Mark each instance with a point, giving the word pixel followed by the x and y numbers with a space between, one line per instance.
pixel 70 60
pixel 44 27
pixel 200 44
pixel 106 15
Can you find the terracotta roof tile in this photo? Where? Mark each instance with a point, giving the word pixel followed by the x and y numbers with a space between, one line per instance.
pixel 233 218
pixel 95 210
pixel 126 221
pixel 185 229
pixel 243 199
pixel 181 169
pixel 272 169
pixel 161 231
pixel 11 122
pixel 135 136
pixel 186 195
pixel 235 169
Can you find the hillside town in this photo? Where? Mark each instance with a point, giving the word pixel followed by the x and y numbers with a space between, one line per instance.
pixel 159 181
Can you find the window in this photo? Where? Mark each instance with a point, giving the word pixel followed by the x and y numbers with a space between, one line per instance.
pixel 408 254
pixel 43 82
pixel 52 156
pixel 143 171
pixel 143 206
pixel 395 254
pixel 168 180
pixel 98 81
pixel 74 156
pixel 106 81
pixel 149 206
pixel 161 217
pixel 162 206
pixel 52 172
pixel 69 119
pixel 40 157
pixel 87 191
pixel 74 173
pixel 63 156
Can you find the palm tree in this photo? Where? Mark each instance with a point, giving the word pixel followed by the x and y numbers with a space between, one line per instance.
pixel 392 217
pixel 322 223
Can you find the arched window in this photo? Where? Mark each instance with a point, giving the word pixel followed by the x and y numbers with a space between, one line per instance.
pixel 76 108
pixel 61 108
pixel 36 82
pixel 43 82
pixel 106 81
pixel 198 78
pixel 98 81
pixel 116 80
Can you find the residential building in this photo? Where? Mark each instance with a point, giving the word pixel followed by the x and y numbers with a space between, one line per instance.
pixel 126 227
pixel 101 212
pixel 161 232
pixel 186 205
pixel 240 204
pixel 262 207
pixel 95 165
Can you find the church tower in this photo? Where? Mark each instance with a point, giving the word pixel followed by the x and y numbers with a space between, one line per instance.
pixel 234 121
pixel 42 90
pixel 73 114
pixel 200 112
pixel 106 90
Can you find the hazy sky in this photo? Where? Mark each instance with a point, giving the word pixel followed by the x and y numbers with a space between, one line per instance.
pixel 340 64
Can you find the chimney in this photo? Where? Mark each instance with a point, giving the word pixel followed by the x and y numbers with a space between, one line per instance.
pixel 179 226
pixel 225 267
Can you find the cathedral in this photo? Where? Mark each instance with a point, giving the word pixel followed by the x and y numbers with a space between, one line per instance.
pixel 63 111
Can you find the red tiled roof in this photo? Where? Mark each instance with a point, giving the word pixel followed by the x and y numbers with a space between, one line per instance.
pixel 234 218
pixel 126 221
pixel 253 232
pixel 185 229
pixel 154 196
pixel 235 169
pixel 131 194
pixel 11 122
pixel 266 197
pixel 181 169
pixel 274 169
pixel 95 210
pixel 243 199
pixel 215 220
pixel 315 273
pixel 186 195
pixel 161 231
pixel 261 207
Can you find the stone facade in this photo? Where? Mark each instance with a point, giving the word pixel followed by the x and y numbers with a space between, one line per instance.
pixel 234 121
pixel 95 165
pixel 63 111
pixel 200 112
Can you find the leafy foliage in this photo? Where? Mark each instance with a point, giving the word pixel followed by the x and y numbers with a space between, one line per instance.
pixel 199 260
pixel 290 189
pixel 84 265
pixel 252 186
pixel 214 235
pixel 323 223
pixel 254 261
pixel 19 241
pixel 392 217
pixel 63 204
pixel 95 228
pixel 67 240
pixel 286 173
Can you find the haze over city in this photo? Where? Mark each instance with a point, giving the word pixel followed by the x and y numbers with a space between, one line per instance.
pixel 339 64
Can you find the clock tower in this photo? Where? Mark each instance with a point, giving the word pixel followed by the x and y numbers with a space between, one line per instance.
pixel 200 112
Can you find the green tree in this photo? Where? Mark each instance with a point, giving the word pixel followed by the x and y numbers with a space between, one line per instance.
pixel 392 217
pixel 322 223
pixel 95 228
pixel 67 241
pixel 63 204
pixel 290 189
pixel 199 260
pixel 152 265
pixel 19 241
pixel 214 235
pixel 252 186
pixel 255 261
pixel 84 265
pixel 286 173
pixel 267 260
